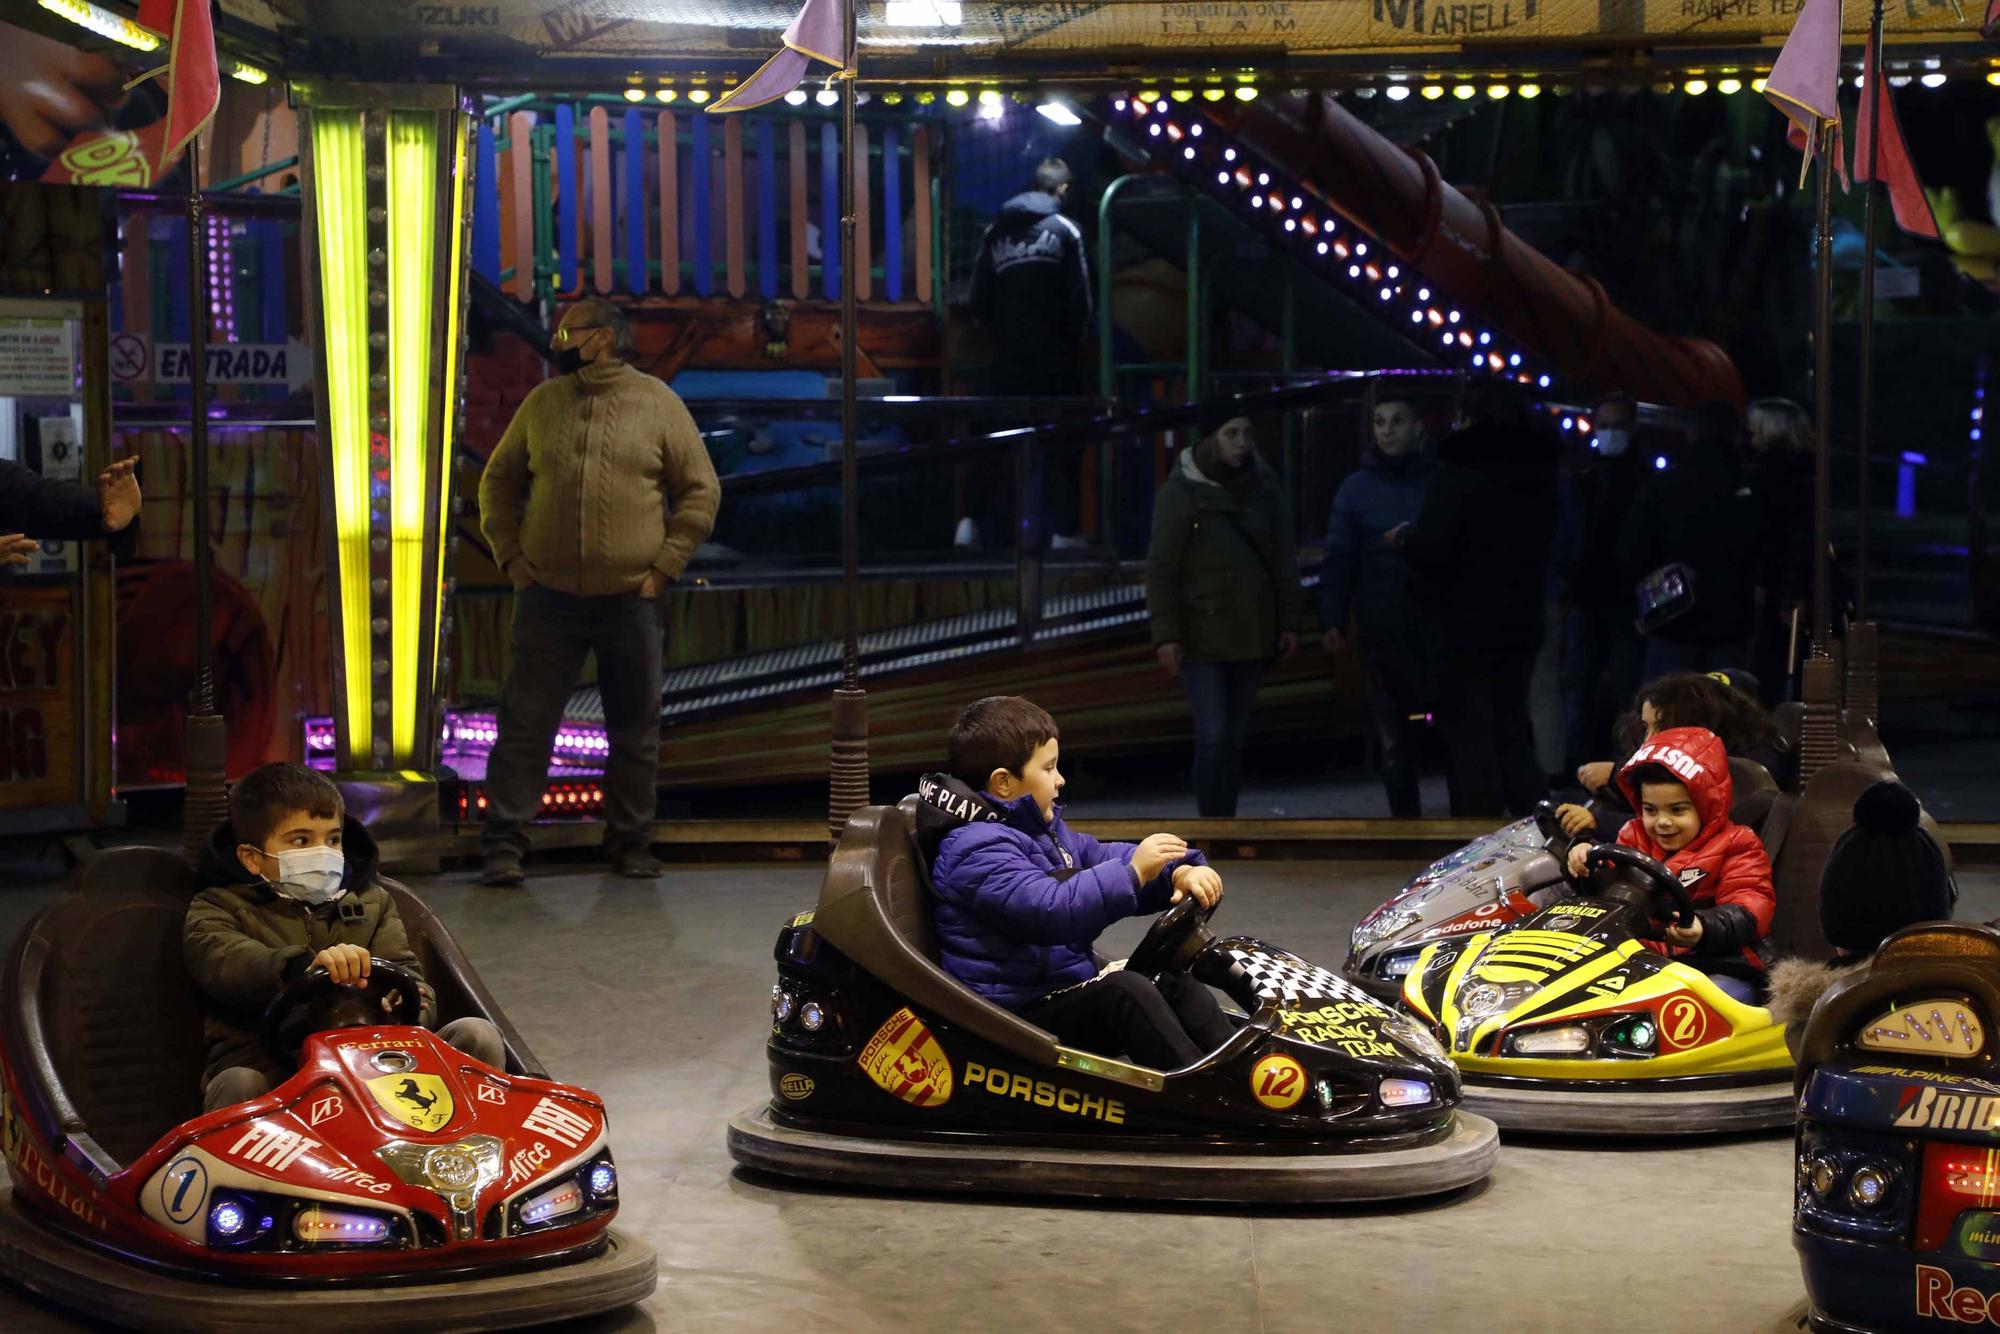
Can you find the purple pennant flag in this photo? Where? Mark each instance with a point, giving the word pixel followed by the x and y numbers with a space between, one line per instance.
pixel 818 33
pixel 1805 81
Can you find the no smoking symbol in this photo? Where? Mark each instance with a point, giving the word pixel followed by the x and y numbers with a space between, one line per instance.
pixel 129 356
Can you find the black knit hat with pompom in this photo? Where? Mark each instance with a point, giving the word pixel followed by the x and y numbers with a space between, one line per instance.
pixel 1884 873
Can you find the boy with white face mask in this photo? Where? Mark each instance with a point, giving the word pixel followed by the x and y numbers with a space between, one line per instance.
pixel 288 884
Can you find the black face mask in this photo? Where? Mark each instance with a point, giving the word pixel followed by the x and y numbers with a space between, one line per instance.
pixel 569 360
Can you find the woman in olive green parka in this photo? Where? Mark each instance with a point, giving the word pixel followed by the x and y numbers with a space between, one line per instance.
pixel 1222 592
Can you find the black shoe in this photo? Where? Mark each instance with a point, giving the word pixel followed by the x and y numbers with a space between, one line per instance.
pixel 502 867
pixel 636 864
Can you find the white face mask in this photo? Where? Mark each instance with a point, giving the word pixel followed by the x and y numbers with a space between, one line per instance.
pixel 310 875
pixel 1613 441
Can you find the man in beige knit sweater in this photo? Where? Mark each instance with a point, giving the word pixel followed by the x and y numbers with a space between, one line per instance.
pixel 593 501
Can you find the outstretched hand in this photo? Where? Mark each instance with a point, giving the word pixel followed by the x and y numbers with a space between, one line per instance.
pixel 16 549
pixel 118 496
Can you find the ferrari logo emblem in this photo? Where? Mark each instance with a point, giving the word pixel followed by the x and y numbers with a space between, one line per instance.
pixel 906 1060
pixel 417 1100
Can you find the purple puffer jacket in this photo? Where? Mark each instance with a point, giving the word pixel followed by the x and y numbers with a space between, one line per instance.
pixel 1020 899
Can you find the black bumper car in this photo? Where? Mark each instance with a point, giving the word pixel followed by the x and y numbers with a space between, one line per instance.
pixel 887 1072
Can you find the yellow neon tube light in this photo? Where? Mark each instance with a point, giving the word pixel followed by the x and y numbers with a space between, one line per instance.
pixel 104 23
pixel 341 216
pixel 448 432
pixel 413 163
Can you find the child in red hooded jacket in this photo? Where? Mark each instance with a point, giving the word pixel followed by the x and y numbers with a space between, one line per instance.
pixel 1679 784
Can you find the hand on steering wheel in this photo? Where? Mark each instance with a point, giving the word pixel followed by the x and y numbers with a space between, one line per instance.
pixel 314 1001
pixel 1165 946
pixel 1664 882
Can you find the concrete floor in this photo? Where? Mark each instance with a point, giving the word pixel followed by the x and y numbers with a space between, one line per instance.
pixel 656 997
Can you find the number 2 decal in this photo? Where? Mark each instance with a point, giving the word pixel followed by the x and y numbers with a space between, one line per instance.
pixel 1683 1023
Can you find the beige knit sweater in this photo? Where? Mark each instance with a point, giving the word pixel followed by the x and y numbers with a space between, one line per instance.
pixel 600 477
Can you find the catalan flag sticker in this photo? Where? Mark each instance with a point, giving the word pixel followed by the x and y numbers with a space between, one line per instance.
pixel 906 1060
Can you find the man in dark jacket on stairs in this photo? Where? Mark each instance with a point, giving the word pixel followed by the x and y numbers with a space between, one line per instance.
pixel 1031 293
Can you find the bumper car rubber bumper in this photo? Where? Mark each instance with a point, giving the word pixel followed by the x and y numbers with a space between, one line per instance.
pixel 83 1278
pixel 1204 1174
pixel 1668 1107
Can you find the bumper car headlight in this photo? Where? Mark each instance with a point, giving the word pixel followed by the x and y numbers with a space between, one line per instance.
pixel 601 1180
pixel 253 1221
pixel 1635 1035
pixel 1557 1040
pixel 781 1004
pixel 320 1225
pixel 1404 1092
pixel 237 1221
pixel 1869 1187
pixel 1397 966
pixel 558 1201
pixel 1382 926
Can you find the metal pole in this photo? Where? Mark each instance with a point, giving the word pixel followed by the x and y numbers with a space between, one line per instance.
pixel 204 653
pixel 1822 625
pixel 205 802
pixel 848 785
pixel 850 673
pixel 1872 90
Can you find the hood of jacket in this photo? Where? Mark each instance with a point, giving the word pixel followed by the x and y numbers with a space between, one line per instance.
pixel 945 803
pixel 1238 487
pixel 218 868
pixel 1697 757
pixel 1028 208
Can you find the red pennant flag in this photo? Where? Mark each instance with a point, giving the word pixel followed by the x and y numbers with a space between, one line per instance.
pixel 1892 155
pixel 194 80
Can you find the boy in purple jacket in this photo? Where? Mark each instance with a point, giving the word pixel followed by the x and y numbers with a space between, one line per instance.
pixel 1021 897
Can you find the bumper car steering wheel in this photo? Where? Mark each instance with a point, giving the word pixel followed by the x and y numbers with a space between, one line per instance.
pixel 1173 940
pixel 314 1001
pixel 1664 883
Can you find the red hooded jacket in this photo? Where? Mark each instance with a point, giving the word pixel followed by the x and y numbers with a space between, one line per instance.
pixel 1725 869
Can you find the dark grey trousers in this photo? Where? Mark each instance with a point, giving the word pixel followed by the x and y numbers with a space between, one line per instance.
pixel 553 632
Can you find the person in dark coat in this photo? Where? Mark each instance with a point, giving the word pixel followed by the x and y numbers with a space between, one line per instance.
pixel 1031 293
pixel 1601 645
pixel 36 509
pixel 1781 490
pixel 1363 577
pixel 1480 551
pixel 1223 595
pixel 1698 514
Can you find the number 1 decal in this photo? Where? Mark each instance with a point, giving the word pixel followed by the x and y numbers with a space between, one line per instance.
pixel 183 1189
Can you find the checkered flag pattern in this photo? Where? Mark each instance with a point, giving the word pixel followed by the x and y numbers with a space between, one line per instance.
pixel 1290 980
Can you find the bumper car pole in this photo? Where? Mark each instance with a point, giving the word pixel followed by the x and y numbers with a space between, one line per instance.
pixel 1822 622
pixel 1863 694
pixel 206 799
pixel 848 779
